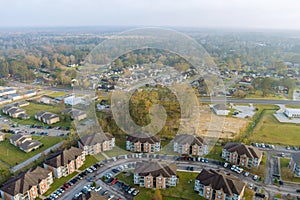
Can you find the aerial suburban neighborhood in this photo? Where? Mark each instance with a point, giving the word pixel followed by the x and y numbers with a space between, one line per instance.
pixel 203 104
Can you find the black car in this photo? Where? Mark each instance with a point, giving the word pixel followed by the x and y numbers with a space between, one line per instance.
pixel 298 190
pixel 110 180
pixel 260 195
pixel 115 170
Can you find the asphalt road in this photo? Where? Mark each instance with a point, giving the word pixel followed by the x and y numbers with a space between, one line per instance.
pixel 254 101
pixel 182 166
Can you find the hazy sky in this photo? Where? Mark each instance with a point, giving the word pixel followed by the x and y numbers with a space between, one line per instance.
pixel 269 14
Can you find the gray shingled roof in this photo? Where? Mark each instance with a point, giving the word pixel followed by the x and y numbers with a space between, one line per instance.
pixel 296 158
pixel 95 138
pixel 63 157
pixel 143 137
pixel 219 180
pixel 241 149
pixel 27 145
pixel 189 139
pixel 24 181
pixel 154 168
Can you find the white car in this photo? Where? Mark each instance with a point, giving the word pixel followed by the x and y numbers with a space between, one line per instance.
pixel 226 164
pixel 255 177
pixel 98 188
pixel 131 190
pixel 251 186
pixel 78 194
pixel 246 174
pixel 233 168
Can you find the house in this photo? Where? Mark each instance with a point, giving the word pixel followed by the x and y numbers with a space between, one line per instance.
pixel 95 143
pixel 46 100
pixel 25 142
pixel 190 145
pixel 153 174
pixel 245 80
pixel 7 91
pixel 47 117
pixel 292 112
pixel 18 139
pixel 212 184
pixel 30 145
pixel 29 93
pixel 24 116
pixel 143 142
pixel 2 136
pixel 21 104
pixel 75 114
pixel 241 154
pixel 27 185
pixel 14 97
pixel 65 162
pixel 294 164
pixel 13 111
pixel 221 109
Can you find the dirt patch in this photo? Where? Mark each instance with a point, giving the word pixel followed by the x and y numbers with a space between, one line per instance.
pixel 217 126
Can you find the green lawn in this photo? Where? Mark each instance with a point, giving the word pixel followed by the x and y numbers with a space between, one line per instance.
pixel 248 194
pixel 89 161
pixel 259 95
pixel 261 170
pixel 34 108
pixel 4 172
pixel 269 130
pixel 13 155
pixel 286 173
pixel 215 153
pixel 57 183
pixel 116 151
pixel 184 190
pixel 57 94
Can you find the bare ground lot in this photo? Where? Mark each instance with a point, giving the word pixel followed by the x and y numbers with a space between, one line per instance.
pixel 219 126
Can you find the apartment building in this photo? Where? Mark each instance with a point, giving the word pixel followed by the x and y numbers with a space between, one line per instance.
pixel 242 155
pixel 143 143
pixel 152 174
pixel 190 145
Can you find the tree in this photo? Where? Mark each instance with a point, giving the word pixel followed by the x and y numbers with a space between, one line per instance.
pixel 45 62
pixel 238 64
pixel 4 69
pixel 33 61
pixel 266 83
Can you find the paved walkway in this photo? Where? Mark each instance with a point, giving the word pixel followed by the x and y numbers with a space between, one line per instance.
pixel 32 159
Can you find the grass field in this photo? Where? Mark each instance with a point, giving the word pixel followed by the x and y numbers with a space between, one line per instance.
pixel 34 108
pixel 89 161
pixel 57 94
pixel 261 170
pixel 286 173
pixel 259 95
pixel 269 130
pixel 13 155
pixel 215 153
pixel 57 183
pixel 4 172
pixel 184 190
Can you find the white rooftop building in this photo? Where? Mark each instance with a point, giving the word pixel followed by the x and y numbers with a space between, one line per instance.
pixel 72 100
pixel 292 112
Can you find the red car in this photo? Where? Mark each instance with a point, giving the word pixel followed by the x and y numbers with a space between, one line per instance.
pixel 114 181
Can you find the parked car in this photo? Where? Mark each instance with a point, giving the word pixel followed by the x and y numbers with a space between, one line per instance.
pixel 226 165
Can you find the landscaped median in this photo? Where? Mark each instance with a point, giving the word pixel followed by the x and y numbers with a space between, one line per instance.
pixel 57 183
